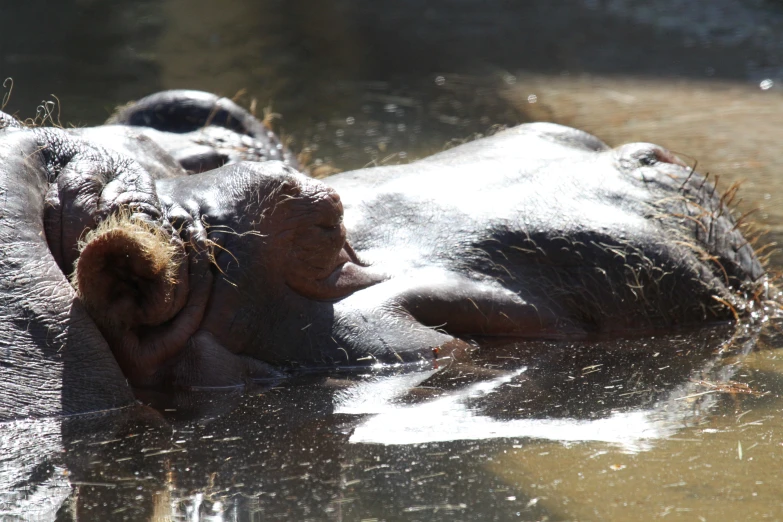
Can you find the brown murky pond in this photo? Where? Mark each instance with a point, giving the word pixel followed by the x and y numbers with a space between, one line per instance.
pixel 685 425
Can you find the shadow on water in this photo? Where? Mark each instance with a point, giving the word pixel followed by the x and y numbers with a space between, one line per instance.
pixel 629 429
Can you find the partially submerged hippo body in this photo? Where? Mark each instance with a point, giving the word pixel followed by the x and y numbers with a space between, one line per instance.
pixel 250 269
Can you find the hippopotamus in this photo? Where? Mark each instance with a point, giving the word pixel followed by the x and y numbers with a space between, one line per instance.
pixel 179 245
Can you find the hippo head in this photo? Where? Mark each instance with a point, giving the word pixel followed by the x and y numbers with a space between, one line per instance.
pixel 246 249
pixel 212 278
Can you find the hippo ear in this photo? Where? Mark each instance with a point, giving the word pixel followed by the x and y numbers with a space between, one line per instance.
pixel 130 273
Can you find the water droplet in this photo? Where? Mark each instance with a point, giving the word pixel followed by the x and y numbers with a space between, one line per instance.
pixel 766 84
pixel 390 107
pixel 440 80
pixel 350 120
pixel 532 98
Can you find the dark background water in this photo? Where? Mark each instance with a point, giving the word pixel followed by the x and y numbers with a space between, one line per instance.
pixel 649 425
pixel 412 75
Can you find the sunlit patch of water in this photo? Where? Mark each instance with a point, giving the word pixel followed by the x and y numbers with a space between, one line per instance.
pixel 377 394
pixel 450 418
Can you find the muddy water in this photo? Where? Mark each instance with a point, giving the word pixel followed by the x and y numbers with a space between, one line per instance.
pixel 679 426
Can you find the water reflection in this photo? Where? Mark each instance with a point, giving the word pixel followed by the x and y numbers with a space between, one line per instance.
pixel 398 440
pixel 576 392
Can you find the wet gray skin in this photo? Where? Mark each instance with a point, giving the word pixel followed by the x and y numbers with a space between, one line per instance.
pixel 544 231
pixel 539 232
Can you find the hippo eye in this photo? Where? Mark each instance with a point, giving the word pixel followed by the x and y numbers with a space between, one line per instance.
pixel 654 155
pixel 648 159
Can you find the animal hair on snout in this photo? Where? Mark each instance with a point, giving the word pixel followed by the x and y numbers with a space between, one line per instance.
pixel 701 204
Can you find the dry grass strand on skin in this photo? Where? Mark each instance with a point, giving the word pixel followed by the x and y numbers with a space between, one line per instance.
pixel 269 116
pixel 8 83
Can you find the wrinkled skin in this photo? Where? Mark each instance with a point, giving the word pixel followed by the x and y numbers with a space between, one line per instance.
pixel 48 343
pixel 55 185
pixel 540 231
